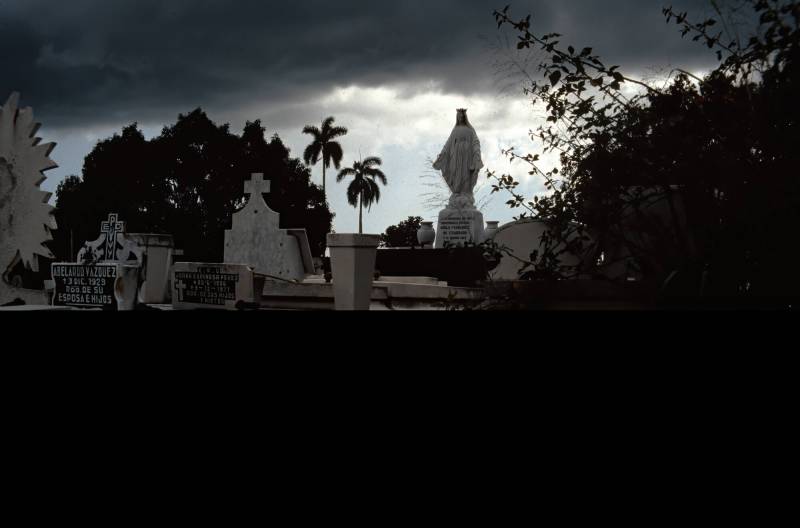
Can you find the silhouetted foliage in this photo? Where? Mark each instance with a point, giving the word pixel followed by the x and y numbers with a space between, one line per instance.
pixel 363 190
pixel 718 154
pixel 323 147
pixel 403 234
pixel 187 182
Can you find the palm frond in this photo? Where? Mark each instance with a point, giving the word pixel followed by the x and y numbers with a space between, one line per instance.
pixel 353 193
pixel 327 124
pixel 377 174
pixel 344 173
pixel 372 161
pixel 336 132
pixel 374 193
pixel 311 154
pixel 312 130
pixel 335 153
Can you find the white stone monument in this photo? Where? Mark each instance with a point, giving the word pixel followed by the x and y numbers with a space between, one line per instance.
pixel 257 240
pixel 460 162
pixel 26 218
pixel 108 274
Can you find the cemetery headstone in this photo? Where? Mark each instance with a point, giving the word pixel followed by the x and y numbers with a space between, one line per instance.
pixel 112 246
pixel 198 286
pixel 26 218
pixel 85 286
pixel 107 274
pixel 257 240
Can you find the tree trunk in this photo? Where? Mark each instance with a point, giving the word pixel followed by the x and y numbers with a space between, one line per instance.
pixel 323 181
pixel 361 213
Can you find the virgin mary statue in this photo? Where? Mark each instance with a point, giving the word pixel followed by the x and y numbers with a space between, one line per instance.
pixel 460 163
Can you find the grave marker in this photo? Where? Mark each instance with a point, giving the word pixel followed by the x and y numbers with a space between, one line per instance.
pixel 82 286
pixel 105 275
pixel 256 239
pixel 198 286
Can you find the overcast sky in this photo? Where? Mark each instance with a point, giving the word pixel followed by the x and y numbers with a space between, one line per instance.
pixel 392 72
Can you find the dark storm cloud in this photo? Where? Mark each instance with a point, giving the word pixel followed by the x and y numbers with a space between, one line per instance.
pixel 102 61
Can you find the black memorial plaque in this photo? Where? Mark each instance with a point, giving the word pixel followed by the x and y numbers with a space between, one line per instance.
pixel 207 286
pixel 85 285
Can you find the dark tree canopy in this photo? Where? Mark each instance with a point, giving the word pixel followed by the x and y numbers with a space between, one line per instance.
pixel 403 234
pixel 719 153
pixel 187 182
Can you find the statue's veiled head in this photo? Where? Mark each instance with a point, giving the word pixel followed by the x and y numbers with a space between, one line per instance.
pixel 461 117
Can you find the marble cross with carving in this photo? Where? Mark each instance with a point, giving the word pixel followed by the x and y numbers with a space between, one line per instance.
pixel 111 228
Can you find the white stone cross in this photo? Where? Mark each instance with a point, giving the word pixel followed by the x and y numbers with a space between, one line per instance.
pixel 112 227
pixel 257 185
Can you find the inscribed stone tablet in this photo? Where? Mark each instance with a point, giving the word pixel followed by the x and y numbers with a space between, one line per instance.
pixel 85 286
pixel 211 286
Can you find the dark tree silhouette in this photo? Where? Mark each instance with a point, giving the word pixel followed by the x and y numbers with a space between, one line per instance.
pixel 364 189
pixel 324 148
pixel 716 156
pixel 403 234
pixel 187 182
pixel 73 217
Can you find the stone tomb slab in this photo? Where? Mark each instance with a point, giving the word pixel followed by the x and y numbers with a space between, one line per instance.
pixel 197 286
pixel 459 227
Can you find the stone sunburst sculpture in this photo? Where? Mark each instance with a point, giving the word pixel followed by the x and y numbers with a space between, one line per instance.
pixel 26 219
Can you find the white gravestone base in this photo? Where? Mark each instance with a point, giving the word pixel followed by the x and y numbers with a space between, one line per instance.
pixel 459 227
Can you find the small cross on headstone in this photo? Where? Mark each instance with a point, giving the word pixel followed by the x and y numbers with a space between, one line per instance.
pixel 111 228
pixel 180 287
pixel 257 185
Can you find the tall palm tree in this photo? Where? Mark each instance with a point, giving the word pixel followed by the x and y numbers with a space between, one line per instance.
pixel 324 147
pixel 363 190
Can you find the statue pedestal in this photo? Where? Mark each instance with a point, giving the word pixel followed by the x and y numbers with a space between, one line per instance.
pixel 458 227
